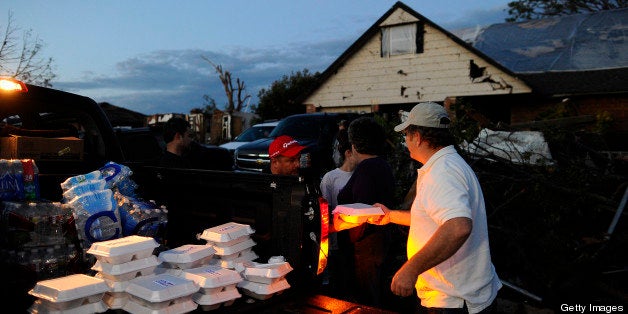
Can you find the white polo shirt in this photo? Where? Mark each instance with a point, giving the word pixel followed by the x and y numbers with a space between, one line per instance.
pixel 448 188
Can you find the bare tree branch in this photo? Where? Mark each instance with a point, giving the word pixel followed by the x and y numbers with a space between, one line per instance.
pixel 24 64
pixel 227 83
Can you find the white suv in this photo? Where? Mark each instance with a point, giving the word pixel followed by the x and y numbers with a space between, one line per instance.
pixel 251 134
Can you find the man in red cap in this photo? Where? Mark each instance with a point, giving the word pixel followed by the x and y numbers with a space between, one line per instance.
pixel 284 153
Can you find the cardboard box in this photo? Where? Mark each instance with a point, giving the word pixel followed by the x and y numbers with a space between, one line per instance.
pixel 41 148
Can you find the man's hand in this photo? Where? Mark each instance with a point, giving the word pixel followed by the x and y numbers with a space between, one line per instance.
pixel 403 282
pixel 340 224
pixel 383 219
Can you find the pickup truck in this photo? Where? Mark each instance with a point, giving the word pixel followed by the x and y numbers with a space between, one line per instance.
pixel 289 217
pixel 315 131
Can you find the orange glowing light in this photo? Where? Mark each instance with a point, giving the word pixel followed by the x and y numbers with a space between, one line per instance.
pixel 324 244
pixel 12 85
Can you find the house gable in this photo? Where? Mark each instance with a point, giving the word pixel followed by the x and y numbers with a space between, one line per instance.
pixel 446 67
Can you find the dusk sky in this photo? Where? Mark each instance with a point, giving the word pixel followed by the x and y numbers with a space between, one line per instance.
pixel 146 55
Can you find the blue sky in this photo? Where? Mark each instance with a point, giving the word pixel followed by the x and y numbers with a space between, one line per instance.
pixel 145 55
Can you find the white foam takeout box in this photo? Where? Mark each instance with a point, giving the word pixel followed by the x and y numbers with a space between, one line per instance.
pixel 123 250
pixel 187 256
pixel 262 291
pixel 39 308
pixel 268 273
pixel 213 279
pixel 227 234
pixel 116 297
pixel 177 306
pixel 246 255
pixel 69 292
pixel 213 301
pixel 115 300
pixel 233 252
pixel 127 271
pixel 160 292
pixel 357 212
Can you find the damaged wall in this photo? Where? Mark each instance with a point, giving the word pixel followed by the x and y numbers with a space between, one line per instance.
pixel 445 68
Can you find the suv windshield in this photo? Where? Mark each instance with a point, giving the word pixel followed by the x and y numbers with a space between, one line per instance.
pixel 303 128
pixel 255 133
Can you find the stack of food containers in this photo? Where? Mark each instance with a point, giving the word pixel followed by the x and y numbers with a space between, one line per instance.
pixel 163 293
pixel 218 286
pixel 119 261
pixel 232 243
pixel 70 294
pixel 262 281
pixel 187 256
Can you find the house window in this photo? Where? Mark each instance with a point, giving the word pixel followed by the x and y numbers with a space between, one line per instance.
pixel 402 39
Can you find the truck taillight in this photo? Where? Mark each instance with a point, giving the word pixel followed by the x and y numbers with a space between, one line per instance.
pixel 324 244
pixel 12 85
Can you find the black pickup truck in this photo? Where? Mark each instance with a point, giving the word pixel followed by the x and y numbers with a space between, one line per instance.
pixel 315 131
pixel 286 212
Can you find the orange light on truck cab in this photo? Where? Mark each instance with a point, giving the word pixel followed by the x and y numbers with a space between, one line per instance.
pixel 12 85
pixel 324 244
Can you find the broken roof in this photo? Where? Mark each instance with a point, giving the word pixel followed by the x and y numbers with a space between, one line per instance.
pixel 579 42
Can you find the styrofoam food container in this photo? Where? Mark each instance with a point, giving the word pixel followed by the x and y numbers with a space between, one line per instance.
pixel 69 291
pixel 161 288
pixel 229 243
pixel 38 307
pixel 187 256
pixel 212 278
pixel 127 271
pixel 115 300
pixel 123 250
pixel 263 291
pixel 177 306
pixel 231 252
pixel 163 269
pixel 114 286
pixel 357 212
pixel 264 273
pixel 225 233
pixel 244 256
pixel 213 301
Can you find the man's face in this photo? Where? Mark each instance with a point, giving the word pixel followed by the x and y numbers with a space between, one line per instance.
pixel 283 165
pixel 186 139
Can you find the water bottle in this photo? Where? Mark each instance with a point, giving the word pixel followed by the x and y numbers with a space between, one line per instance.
pixel 72 257
pixel 30 175
pixel 39 216
pixel 17 170
pixel 96 216
pixel 72 181
pixel 21 257
pixel 84 187
pixel 11 183
pixel 95 201
pixel 115 173
pixel 36 262
pixel 5 192
pixel 51 263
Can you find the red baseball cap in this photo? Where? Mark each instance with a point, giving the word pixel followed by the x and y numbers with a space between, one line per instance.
pixel 284 145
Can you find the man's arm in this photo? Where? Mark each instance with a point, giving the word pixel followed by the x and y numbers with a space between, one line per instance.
pixel 400 217
pixel 444 243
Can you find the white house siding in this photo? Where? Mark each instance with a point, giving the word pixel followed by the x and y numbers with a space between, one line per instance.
pixel 441 71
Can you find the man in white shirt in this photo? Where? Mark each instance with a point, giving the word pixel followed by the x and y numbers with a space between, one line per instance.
pixel 449 261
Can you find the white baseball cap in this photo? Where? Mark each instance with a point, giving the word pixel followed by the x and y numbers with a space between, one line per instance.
pixel 426 114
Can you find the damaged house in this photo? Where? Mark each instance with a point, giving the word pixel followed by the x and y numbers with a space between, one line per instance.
pixel 569 69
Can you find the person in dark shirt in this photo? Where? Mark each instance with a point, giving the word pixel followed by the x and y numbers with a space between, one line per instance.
pixel 365 247
pixel 178 138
